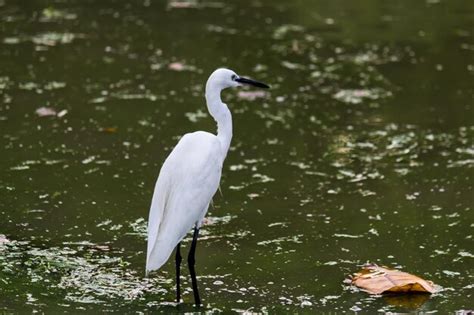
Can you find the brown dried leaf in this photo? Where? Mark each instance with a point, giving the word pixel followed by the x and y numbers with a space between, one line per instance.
pixel 109 129
pixel 180 66
pixel 378 280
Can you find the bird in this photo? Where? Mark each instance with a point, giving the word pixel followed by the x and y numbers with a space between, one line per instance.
pixel 188 180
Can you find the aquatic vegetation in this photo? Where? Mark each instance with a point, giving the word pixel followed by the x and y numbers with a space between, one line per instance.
pixel 359 96
pixel 44 39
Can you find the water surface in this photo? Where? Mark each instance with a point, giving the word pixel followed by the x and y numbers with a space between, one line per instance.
pixel 362 151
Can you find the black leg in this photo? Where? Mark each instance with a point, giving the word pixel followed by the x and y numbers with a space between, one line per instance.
pixel 191 262
pixel 178 264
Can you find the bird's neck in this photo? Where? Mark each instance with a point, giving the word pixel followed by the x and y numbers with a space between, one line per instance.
pixel 221 114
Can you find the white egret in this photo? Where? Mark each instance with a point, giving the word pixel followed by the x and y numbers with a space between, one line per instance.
pixel 188 180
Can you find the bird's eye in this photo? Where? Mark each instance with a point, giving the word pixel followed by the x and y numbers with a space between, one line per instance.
pixel 233 77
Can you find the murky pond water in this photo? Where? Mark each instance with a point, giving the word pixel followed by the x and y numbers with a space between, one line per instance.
pixel 362 151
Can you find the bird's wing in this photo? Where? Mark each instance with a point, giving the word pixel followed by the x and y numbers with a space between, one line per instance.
pixel 187 181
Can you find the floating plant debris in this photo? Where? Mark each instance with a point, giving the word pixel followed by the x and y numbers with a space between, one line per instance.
pixel 377 280
pixel 359 95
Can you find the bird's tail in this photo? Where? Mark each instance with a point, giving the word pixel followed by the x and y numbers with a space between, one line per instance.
pixel 159 255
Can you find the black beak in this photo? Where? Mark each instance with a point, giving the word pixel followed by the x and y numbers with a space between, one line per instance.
pixel 252 82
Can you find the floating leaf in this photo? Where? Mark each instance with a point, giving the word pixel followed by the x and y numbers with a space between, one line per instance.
pixel 52 38
pixel 193 4
pixel 182 4
pixel 45 111
pixel 291 65
pixel 48 111
pixel 62 113
pixel 251 95
pixel 3 239
pixel 180 66
pixel 54 85
pixel 357 96
pixel 378 280
pixel 283 30
pixel 52 14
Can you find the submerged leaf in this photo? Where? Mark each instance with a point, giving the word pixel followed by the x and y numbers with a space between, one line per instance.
pixel 378 280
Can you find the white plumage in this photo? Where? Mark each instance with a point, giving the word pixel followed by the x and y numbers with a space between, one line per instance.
pixel 188 180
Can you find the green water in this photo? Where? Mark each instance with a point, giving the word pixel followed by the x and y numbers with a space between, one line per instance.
pixel 362 151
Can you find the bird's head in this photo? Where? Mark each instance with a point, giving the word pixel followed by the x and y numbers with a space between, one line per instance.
pixel 224 78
